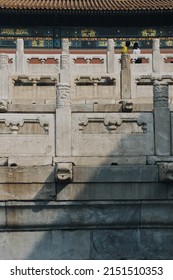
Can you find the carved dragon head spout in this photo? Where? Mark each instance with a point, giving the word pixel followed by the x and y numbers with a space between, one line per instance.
pixel 64 172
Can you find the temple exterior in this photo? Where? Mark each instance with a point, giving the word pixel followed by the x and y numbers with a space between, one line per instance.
pixel 87 24
pixel 86 151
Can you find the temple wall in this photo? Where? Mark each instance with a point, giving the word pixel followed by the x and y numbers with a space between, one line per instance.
pixel 86 156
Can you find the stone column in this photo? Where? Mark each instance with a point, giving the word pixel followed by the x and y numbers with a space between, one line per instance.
pixel 20 56
pixel 161 119
pixel 110 56
pixel 156 58
pixel 65 62
pixel 125 77
pixel 4 73
pixel 63 105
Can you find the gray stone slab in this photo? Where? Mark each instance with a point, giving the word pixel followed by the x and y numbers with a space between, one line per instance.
pixel 162 131
pixel 48 215
pixel 45 245
pixel 97 161
pixel 34 174
pixel 115 244
pixel 155 159
pixel 24 191
pixel 140 173
pixel 2 215
pixel 82 107
pixel 29 108
pixel 157 214
pixel 156 244
pixel 132 244
pixel 112 191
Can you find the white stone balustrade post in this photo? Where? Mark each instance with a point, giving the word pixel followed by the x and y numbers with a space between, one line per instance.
pixel 63 105
pixel 125 77
pixel 161 118
pixel 156 57
pixel 20 57
pixel 4 73
pixel 65 62
pixel 110 58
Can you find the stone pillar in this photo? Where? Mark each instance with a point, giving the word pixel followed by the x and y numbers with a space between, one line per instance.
pixel 110 56
pixel 4 73
pixel 63 105
pixel 156 58
pixel 125 77
pixel 63 121
pixel 20 56
pixel 161 119
pixel 65 62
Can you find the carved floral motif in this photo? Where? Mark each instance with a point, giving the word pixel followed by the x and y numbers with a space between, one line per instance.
pixel 14 123
pixel 160 95
pixel 3 61
pixel 63 96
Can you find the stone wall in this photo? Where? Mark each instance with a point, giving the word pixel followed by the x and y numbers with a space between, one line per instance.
pixel 86 156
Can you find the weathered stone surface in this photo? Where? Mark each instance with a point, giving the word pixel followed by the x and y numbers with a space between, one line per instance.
pixel 104 244
pixel 112 134
pixel 31 108
pixel 127 244
pixel 158 159
pixel 115 174
pixel 63 132
pixel 4 74
pixel 64 172
pixel 34 174
pixel 112 191
pixel 29 160
pixel 125 76
pixel 96 161
pixel 161 119
pixel 24 191
pixel 2 215
pixel 42 215
pixel 20 57
pixel 27 134
pixel 157 214
pixel 110 56
pixel 166 172
pixel 115 244
pixel 45 245
pixel 162 131
pixel 156 56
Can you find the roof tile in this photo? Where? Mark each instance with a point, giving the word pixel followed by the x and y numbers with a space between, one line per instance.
pixel 92 5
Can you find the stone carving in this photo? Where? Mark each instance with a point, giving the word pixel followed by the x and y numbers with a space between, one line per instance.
pixel 166 172
pixel 3 61
pixel 143 125
pixel 125 61
pixel 112 123
pixel 43 121
pixel 3 106
pixel 65 45
pixel 14 124
pixel 64 172
pixel 156 58
pixel 83 121
pixel 126 106
pixel 64 61
pixel 63 96
pixel 160 95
